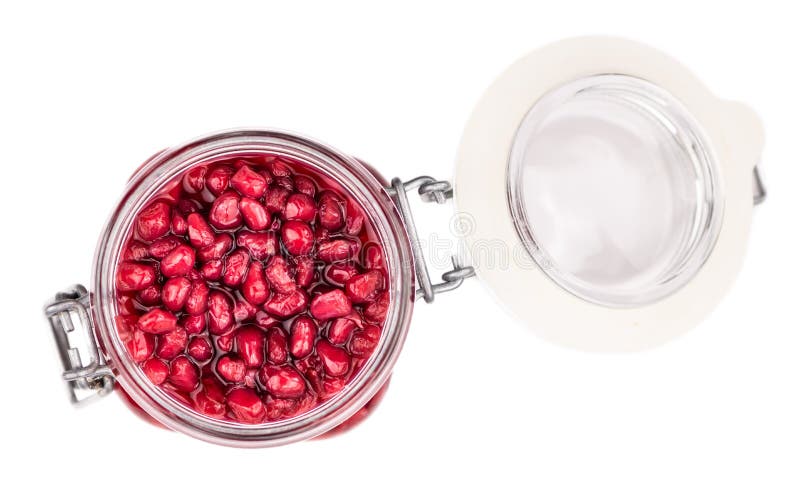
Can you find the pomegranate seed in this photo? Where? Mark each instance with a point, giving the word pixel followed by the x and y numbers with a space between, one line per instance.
pixel 246 406
pixel 301 338
pixel 298 238
pixel 305 185
pixel 141 345
pixel 218 179
pixel 321 235
pixel 157 321
pixel 354 222
pixel 365 287
pixel 331 215
pixel 264 320
pixel 200 349
pixel 277 273
pixel 153 221
pixel 187 206
pixel 231 368
pixel 225 342
pixel 136 251
pixel 279 169
pixel 260 245
pixel 156 370
pixel 254 214
pixel 304 271
pixel 194 180
pixel 194 324
pixel 225 213
pixel 286 305
pixel 248 183
pixel 150 296
pixel 205 405
pixel 214 388
pixel 283 382
pixel 220 313
pixel 331 386
pixel 200 233
pixel 336 250
pixel 364 342
pixel 198 298
pixel 163 246
pixel 243 310
pixel 175 293
pixel 255 288
pixel 339 273
pixel 277 347
pixel 183 374
pixel 335 360
pixel 212 270
pixel 300 206
pixel 179 262
pixel 373 256
pixel 250 345
pixel 133 276
pixel 172 343
pixel 330 304
pixel 221 245
pixel 235 267
pixel 179 224
pixel 376 311
pixel 276 198
pixel 340 329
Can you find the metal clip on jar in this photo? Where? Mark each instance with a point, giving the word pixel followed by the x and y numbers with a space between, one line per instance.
pixel 627 186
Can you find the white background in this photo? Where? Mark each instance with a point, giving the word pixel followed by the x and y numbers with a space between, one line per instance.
pixel 88 91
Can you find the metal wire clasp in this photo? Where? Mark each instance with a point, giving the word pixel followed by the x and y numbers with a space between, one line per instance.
pixel 85 371
pixel 430 190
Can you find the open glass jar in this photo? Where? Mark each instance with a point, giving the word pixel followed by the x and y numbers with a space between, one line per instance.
pixel 617 186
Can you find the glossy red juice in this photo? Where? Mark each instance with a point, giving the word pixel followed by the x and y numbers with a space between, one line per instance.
pixel 252 289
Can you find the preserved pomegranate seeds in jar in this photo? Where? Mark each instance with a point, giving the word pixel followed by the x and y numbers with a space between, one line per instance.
pixel 252 290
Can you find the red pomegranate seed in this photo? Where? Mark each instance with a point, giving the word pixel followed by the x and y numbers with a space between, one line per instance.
pixel 354 222
pixel 212 270
pixel 187 206
pixel 243 310
pixel 330 304
pixel 376 311
pixel 194 323
pixel 339 273
pixel 302 335
pixel 277 347
pixel 373 256
pixel 136 251
pixel 172 343
pixel 183 374
pixel 304 271
pixel 279 169
pixel 207 406
pixel 332 386
pixel 217 179
pixel 364 342
pixel 132 277
pixel 150 296
pixel 225 342
pixel 156 370
pixel 278 275
pixel 157 321
pixel 198 298
pixel 260 245
pixel 161 247
pixel 179 224
pixel 221 245
pixel 248 183
pixel 194 180
pixel 298 238
pixel 336 250
pixel 335 360
pixel 286 305
pixel 340 329
pixel 265 320
pixel 364 288
pixel 153 221
pixel 300 206
pixel 254 214
pixel 179 262
pixel 255 288
pixel 331 215
pixel 220 313
pixel 283 382
pixel 225 213
pixel 200 233
pixel 321 235
pixel 275 200
pixel 231 368
pixel 305 185
pixel 200 349
pixel 141 345
pixel 175 293
pixel 235 267
pixel 246 406
pixel 250 345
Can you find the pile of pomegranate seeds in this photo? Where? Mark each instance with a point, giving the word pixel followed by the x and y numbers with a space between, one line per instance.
pixel 252 289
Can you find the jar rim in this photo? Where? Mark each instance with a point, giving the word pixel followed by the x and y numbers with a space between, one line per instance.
pixel 361 184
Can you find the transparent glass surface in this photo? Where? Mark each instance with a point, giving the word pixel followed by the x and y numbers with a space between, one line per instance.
pixel 614 190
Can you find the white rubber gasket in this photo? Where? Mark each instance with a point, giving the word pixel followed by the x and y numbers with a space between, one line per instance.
pixel 481 197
